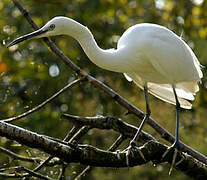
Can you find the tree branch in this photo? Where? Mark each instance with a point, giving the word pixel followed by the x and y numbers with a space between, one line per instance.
pixel 109 122
pixel 22 158
pixel 90 155
pixel 36 108
pixel 17 173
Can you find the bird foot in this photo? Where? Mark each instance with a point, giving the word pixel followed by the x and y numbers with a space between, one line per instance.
pixel 131 149
pixel 174 148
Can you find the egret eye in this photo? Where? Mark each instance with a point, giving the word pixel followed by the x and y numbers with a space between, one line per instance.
pixel 52 26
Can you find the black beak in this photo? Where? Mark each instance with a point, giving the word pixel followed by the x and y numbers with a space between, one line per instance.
pixel 27 36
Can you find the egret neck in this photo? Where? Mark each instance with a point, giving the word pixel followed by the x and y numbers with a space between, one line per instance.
pixel 108 59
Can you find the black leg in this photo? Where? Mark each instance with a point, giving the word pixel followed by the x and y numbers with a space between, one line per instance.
pixel 147 114
pixel 176 143
pixel 132 145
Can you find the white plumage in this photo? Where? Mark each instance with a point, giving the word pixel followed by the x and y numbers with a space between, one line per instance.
pixel 162 59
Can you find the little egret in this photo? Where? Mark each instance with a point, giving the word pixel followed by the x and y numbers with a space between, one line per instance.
pixel 150 55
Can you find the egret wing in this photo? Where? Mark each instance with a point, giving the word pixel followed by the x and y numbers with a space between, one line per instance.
pixel 173 58
pixel 163 91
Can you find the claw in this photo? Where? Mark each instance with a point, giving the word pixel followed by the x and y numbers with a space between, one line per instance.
pixel 127 157
pixel 128 151
pixel 181 160
pixel 173 147
pixel 173 161
pixel 166 152
pixel 118 154
pixel 141 154
pixel 173 164
pixel 132 147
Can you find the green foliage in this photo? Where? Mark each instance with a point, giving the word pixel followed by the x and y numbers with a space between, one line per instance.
pixel 26 82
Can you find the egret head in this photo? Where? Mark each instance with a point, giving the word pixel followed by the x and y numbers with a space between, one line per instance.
pixel 55 26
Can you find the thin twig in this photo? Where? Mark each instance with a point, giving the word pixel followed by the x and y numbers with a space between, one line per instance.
pixel 72 132
pixel 22 158
pixel 9 168
pixel 14 175
pixel 79 134
pixel 43 163
pixel 35 174
pixel 62 173
pixel 17 173
pixel 36 108
pixel 123 102
pixel 117 143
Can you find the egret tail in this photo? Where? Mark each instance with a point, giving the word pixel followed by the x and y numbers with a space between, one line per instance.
pixel 185 91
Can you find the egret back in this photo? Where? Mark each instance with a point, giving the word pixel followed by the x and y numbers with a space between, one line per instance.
pixel 159 56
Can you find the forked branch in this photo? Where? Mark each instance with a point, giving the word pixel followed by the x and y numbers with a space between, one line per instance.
pixel 90 155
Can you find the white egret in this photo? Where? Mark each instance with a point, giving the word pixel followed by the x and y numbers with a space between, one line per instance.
pixel 150 55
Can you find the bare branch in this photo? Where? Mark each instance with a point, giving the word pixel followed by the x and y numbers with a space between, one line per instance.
pixel 17 174
pixel 72 132
pixel 109 122
pixel 22 158
pixel 33 160
pixel 61 176
pixel 79 134
pixel 117 143
pixel 43 163
pixel 44 103
pixel 35 174
pixel 92 156
pixel 7 175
